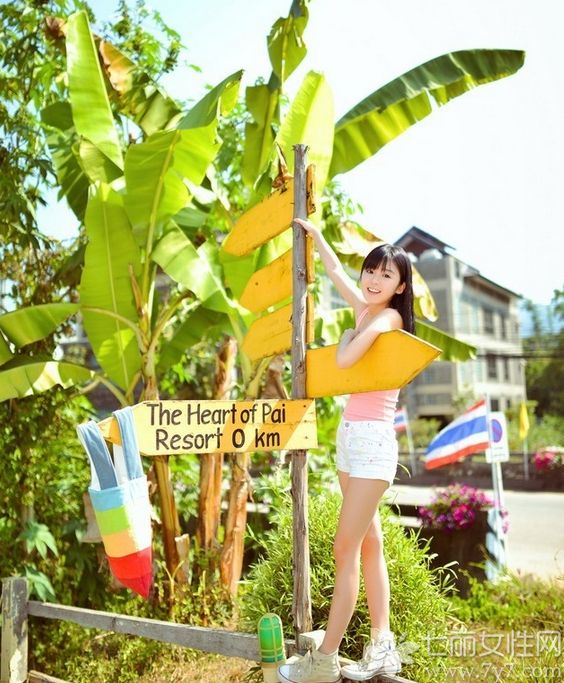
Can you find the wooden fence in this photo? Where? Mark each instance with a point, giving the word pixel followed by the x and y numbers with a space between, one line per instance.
pixel 16 610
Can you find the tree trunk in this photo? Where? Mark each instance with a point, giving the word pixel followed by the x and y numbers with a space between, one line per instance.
pixel 231 563
pixel 169 513
pixel 211 464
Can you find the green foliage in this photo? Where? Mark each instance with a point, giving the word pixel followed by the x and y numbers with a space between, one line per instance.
pixel 418 605
pixel 514 602
pixel 545 431
pixel 42 481
pixel 32 66
pixel 545 369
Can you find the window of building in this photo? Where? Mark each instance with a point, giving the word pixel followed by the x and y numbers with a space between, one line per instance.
pixel 494 404
pixel 503 320
pixel 506 371
pixel 491 365
pixel 488 321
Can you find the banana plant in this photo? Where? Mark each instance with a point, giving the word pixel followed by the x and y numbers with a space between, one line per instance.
pixel 127 195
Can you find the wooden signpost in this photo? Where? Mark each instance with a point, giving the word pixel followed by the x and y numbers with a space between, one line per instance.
pixel 172 427
pixel 394 360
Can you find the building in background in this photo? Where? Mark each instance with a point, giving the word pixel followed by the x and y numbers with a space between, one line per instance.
pixel 476 310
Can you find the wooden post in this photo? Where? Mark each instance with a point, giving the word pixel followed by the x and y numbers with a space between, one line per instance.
pixel 302 596
pixel 13 668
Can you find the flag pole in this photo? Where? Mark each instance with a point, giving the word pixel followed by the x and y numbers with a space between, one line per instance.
pixel 496 546
pixel 411 450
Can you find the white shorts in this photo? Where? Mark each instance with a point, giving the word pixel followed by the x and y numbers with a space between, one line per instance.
pixel 367 449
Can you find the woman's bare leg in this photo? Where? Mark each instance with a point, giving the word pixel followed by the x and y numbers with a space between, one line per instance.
pixel 360 501
pixel 376 580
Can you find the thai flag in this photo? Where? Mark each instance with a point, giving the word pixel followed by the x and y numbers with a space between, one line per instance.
pixel 400 420
pixel 467 434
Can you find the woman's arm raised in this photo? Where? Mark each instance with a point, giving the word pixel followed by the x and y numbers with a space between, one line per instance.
pixel 344 284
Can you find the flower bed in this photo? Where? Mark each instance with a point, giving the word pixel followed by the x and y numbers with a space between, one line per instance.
pixel 456 523
pixel 456 508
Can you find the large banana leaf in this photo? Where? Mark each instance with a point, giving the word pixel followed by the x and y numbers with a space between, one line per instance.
pixel 5 353
pixel 181 261
pixel 389 111
pixel 26 376
pixel 62 142
pixel 218 102
pixel 201 323
pixel 286 50
pixel 286 46
pixel 91 110
pixel 28 325
pixel 452 349
pixel 310 121
pixel 156 169
pixel 106 284
pixel 423 302
pixel 135 93
pixel 262 104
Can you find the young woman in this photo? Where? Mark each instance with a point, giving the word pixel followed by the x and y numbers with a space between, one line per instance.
pixel 367 456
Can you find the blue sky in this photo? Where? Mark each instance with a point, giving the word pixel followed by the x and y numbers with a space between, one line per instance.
pixel 484 173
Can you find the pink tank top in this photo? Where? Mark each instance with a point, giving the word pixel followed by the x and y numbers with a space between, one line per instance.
pixel 371 405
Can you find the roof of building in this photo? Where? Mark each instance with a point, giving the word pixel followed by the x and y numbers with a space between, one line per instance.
pixel 416 241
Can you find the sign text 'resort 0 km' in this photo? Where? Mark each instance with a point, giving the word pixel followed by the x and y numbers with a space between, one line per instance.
pixel 171 427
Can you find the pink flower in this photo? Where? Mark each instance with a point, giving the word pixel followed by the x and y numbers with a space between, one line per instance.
pixel 455 507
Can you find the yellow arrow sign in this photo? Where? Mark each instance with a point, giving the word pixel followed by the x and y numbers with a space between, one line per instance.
pixel 273 283
pixel 272 333
pixel 261 223
pixel 173 427
pixel 393 360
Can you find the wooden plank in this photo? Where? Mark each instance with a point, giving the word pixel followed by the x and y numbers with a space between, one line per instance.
pixel 301 598
pixel 226 643
pixel 262 222
pixel 13 652
pixel 272 333
pixel 173 427
pixel 216 641
pixel 394 359
pixel 38 677
pixel 269 285
pixel 273 283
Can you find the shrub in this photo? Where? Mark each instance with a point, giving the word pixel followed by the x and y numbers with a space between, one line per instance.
pixel 419 608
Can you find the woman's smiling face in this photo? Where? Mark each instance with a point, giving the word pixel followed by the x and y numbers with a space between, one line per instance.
pixel 380 284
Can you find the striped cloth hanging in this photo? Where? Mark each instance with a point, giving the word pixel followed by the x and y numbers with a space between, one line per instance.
pixel 120 498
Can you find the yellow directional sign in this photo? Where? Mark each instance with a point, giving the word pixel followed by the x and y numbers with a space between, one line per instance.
pixel 173 427
pixel 273 283
pixel 392 361
pixel 262 222
pixel 272 333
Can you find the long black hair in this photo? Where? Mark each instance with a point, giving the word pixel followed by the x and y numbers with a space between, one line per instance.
pixel 380 257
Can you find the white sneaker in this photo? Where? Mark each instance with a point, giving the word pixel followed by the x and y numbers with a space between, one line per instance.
pixel 379 657
pixel 313 667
